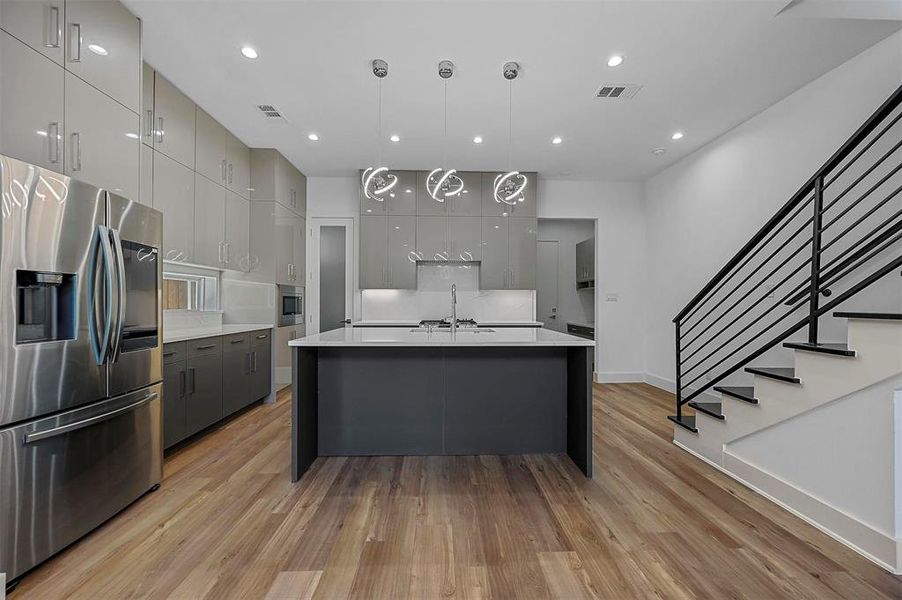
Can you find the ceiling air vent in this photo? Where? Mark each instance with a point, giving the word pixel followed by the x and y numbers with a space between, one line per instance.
pixel 618 91
pixel 270 111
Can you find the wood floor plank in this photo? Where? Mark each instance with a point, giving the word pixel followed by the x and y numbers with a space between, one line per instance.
pixel 654 522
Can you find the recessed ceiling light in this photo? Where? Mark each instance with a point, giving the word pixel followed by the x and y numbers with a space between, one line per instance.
pixel 477 139
pixel 677 135
pixel 249 51
pixel 99 50
pixel 556 139
pixel 395 137
pixel 658 151
pixel 312 137
pixel 615 61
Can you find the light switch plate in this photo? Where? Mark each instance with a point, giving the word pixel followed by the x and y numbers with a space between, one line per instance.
pixel 611 297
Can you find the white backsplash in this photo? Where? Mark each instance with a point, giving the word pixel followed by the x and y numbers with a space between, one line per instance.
pixel 182 320
pixel 432 298
pixel 248 302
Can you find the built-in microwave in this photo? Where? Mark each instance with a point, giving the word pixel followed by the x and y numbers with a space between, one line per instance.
pixel 291 305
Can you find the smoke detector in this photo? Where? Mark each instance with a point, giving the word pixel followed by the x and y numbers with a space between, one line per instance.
pixel 618 91
pixel 269 111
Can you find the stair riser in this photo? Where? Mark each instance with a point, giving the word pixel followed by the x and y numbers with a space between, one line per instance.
pixel 705 442
pixel 878 338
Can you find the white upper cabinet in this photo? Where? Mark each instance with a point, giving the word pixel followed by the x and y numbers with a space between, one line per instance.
pixel 37 23
pixel 147 83
pixel 103 47
pixel 102 140
pixel 173 187
pixel 145 193
pixel 237 234
pixel 210 148
pixel 274 179
pixel 491 208
pixel 174 119
pixel 31 105
pixel 210 222
pixel 238 166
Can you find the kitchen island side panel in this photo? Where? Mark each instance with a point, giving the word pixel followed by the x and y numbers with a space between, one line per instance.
pixel 304 409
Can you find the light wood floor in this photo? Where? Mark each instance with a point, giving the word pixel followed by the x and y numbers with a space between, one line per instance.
pixel 655 523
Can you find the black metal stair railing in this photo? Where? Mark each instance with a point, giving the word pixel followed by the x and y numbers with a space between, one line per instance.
pixel 840 233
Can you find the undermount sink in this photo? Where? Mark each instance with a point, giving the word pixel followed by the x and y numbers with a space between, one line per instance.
pixel 459 330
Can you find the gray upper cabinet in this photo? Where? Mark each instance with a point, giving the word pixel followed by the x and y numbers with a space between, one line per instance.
pixel 466 238
pixel 389 261
pixel 237 232
pixel 491 208
pixel 209 228
pixel 522 239
pixel 173 186
pixel 274 179
pixel 400 200
pixel 31 104
pixel 373 252
pixel 103 47
pixel 145 192
pixel 37 23
pixel 433 240
pixel 469 202
pixel 493 273
pixel 102 140
pixel 402 243
pixel 286 238
pixel 210 148
pixel 238 166
pixel 174 122
pixel 585 262
pixel 147 85
pixel 426 204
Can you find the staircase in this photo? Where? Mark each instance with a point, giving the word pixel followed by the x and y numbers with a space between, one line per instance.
pixel 809 311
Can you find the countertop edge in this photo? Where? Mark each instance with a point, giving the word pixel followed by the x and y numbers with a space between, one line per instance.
pixel 188 335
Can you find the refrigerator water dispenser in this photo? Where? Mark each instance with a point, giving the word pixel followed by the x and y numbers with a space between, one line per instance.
pixel 45 310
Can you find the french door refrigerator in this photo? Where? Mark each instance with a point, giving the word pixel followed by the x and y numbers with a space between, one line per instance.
pixel 80 360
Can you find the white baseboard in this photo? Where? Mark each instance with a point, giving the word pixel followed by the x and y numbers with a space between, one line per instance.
pixel 669 385
pixel 874 545
pixel 619 377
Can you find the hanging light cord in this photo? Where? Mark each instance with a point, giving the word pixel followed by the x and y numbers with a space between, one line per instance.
pixel 379 138
pixel 510 126
pixel 445 134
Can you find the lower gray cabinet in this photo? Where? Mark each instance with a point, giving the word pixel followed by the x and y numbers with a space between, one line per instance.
pixel 204 400
pixel 236 373
pixel 175 427
pixel 261 365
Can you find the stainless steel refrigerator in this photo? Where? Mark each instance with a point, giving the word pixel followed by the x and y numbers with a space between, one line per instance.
pixel 80 360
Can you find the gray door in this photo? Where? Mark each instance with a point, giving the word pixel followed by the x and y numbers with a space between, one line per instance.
pixel 48 358
pixel 547 284
pixel 332 264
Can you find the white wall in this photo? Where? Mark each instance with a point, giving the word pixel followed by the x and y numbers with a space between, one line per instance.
pixel 619 266
pixel 701 210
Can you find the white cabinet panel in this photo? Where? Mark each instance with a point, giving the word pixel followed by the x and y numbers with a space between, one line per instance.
pixel 210 147
pixel 147 84
pixel 209 223
pixel 173 186
pixel 237 233
pixel 466 238
pixel 103 47
pixel 373 252
pixel 31 105
pixel 238 166
pixel 522 236
pixel 402 243
pixel 469 202
pixel 102 140
pixel 285 235
pixel 493 273
pixel 432 238
pixel 145 194
pixel 38 23
pixel 174 120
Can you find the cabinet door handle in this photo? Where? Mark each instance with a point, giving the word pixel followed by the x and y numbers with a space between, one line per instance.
pixel 74 42
pixel 193 380
pixel 76 151
pixel 512 278
pixel 168 354
pixel 391 279
pixel 228 252
pixel 148 124
pixel 219 252
pixel 261 336
pixel 230 172
pixel 159 130
pixel 53 142
pixel 207 347
pixel 254 359
pixel 222 170
pixel 237 342
pixel 182 386
pixel 52 34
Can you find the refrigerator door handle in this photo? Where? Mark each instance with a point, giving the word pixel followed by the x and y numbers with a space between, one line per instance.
pixel 55 431
pixel 121 293
pixel 99 345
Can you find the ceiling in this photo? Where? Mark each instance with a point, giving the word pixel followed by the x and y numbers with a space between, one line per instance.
pixel 704 67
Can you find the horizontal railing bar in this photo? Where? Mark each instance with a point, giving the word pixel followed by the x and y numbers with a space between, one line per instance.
pixel 748 259
pixel 865 195
pixel 863 150
pixel 795 253
pixel 841 260
pixel 860 134
pixel 862 176
pixel 746 328
pixel 865 216
pixel 866 257
pixel 825 308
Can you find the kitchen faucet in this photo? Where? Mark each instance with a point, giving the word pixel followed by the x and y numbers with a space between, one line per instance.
pixel 453 308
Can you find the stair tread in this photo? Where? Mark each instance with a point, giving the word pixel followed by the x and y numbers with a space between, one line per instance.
pixel 739 392
pixel 869 315
pixel 787 374
pixel 824 348
pixel 686 422
pixel 713 409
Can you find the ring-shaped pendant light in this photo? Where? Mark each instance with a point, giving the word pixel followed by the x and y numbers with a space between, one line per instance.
pixel 443 183
pixel 378 181
pixel 509 187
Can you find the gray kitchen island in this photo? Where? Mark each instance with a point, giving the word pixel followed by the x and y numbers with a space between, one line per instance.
pixel 407 391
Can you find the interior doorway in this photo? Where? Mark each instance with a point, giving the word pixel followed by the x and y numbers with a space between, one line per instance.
pixel 547 263
pixel 565 276
pixel 331 285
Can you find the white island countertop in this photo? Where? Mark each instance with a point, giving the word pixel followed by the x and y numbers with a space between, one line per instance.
pixel 404 336
pixel 180 335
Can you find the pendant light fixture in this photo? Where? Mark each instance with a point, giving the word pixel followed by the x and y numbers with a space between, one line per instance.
pixel 509 187
pixel 378 181
pixel 442 183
